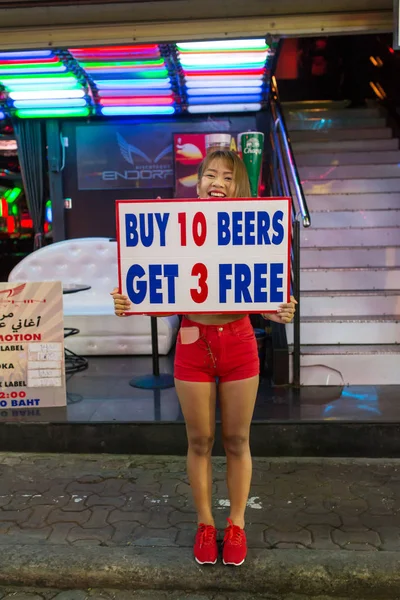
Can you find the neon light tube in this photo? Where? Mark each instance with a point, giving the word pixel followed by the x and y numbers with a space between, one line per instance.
pixel 53 60
pixel 223 60
pixel 137 101
pixel 131 72
pixel 59 86
pixel 27 54
pixel 204 83
pixel 23 71
pixel 106 49
pixel 46 94
pixel 221 71
pixel 217 78
pixel 137 110
pixel 125 64
pixel 130 92
pixel 117 56
pixel 52 112
pixel 248 99
pixel 221 91
pixel 38 79
pixel 132 83
pixel 2 115
pixel 252 44
pixel 56 103
pixel 213 108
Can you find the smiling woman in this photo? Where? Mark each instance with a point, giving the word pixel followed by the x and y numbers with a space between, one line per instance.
pixel 223 175
pixel 219 349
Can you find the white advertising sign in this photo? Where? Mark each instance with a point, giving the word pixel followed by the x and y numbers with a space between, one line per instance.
pixel 204 256
pixel 32 373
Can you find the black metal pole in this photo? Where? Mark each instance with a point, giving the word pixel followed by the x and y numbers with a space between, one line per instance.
pixel 154 347
pixel 296 332
pixel 156 380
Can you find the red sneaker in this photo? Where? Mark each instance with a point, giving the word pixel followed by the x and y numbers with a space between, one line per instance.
pixel 235 545
pixel 205 545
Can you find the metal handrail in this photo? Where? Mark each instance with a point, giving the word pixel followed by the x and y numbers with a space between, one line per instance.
pixel 286 173
pixel 280 123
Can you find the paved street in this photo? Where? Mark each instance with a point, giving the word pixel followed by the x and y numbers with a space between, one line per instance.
pixel 88 525
pixel 111 500
pixel 43 594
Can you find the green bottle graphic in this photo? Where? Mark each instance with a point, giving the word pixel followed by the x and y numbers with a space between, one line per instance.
pixel 251 144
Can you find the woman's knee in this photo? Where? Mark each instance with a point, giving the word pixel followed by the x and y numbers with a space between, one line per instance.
pixel 236 445
pixel 201 444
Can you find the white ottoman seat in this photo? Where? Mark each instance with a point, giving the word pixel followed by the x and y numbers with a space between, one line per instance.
pixel 93 261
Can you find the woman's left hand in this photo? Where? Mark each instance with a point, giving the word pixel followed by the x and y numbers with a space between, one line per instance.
pixel 284 314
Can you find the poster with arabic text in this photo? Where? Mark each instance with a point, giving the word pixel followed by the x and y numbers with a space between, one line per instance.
pixel 32 373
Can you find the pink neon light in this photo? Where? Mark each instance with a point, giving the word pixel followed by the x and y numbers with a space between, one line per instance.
pixel 138 101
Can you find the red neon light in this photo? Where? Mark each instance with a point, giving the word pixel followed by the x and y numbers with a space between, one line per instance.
pixel 29 61
pixel 101 50
pixel 115 57
pixel 225 73
pixel 391 50
pixel 4 208
pixel 138 101
pixel 27 223
pixel 10 225
pixel 46 227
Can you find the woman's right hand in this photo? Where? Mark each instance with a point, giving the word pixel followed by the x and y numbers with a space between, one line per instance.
pixel 121 303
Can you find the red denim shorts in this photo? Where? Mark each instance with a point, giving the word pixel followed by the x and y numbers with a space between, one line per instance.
pixel 228 352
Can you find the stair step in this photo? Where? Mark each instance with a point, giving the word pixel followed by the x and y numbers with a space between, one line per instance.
pixel 376 278
pixel 322 123
pixel 304 105
pixel 333 202
pixel 356 186
pixel 332 113
pixel 321 159
pixel 320 238
pixel 341 330
pixel 377 256
pixel 346 145
pixel 356 218
pixel 350 365
pixel 353 303
pixel 363 349
pixel 349 172
pixel 331 135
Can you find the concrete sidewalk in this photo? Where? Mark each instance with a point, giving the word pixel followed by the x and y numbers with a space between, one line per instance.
pixel 315 527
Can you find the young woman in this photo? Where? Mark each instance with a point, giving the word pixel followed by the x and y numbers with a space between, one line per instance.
pixel 223 347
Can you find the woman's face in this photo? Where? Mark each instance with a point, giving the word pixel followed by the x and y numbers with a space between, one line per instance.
pixel 217 181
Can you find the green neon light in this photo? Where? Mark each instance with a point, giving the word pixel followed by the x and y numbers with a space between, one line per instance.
pixel 37 113
pixel 118 64
pixel 28 66
pixel 12 195
pixel 14 210
pixel 48 204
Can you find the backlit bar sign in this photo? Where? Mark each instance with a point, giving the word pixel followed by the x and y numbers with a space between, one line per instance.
pixel 201 256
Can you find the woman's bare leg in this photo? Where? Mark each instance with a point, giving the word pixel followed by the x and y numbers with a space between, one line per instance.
pixel 237 406
pixel 197 401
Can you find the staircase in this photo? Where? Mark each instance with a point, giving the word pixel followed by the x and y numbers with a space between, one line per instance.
pixel 349 164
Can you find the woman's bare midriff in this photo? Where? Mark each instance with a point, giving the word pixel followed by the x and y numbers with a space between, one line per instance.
pixel 215 319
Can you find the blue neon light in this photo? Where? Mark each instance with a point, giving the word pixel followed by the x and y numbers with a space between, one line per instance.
pixel 27 55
